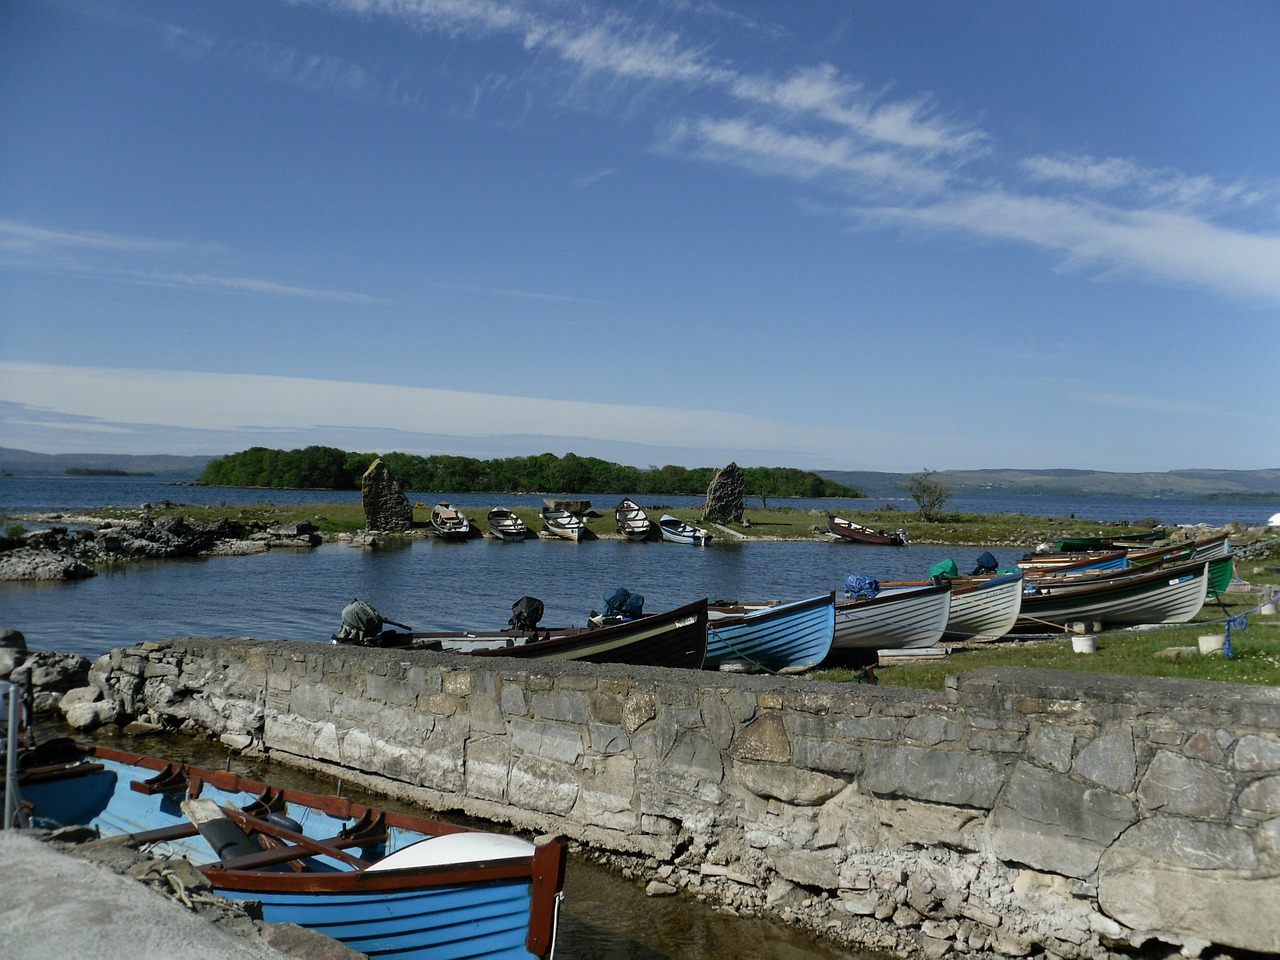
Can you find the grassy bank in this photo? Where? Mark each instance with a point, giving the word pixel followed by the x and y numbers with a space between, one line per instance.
pixel 1255 643
pixel 775 523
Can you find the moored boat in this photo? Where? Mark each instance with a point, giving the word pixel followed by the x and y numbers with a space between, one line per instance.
pixel 633 523
pixel 859 533
pixel 778 637
pixel 384 883
pixel 562 523
pixel 505 525
pixel 448 523
pixel 985 607
pixel 675 530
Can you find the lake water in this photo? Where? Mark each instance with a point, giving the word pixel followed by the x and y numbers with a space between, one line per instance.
pixel 427 583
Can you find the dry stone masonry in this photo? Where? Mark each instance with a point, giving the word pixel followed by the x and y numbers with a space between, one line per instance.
pixel 1020 813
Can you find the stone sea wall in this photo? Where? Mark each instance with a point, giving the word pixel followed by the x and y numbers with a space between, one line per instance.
pixel 1020 813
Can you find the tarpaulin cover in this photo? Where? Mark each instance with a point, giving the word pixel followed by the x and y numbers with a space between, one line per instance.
pixel 861 585
pixel 944 568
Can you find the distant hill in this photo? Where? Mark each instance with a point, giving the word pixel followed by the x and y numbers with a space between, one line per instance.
pixel 24 462
pixel 1068 483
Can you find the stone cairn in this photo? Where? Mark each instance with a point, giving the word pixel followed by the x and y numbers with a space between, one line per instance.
pixel 386 508
pixel 724 495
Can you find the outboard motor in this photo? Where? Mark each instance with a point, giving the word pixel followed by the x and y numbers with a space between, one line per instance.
pixel 525 614
pixel 986 564
pixel 620 602
pixel 360 624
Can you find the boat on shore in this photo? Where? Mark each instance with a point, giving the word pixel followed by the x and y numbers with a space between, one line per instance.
pixel 985 607
pixel 504 525
pixel 675 530
pixel 913 618
pixel 674 638
pixel 562 523
pixel 775 637
pixel 384 883
pixel 1165 594
pixel 448 523
pixel 633 523
pixel 844 529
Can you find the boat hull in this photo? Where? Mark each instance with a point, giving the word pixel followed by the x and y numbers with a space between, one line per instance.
pixel 632 522
pixel 674 638
pixel 903 619
pixel 858 533
pixel 675 530
pixel 988 609
pixel 1164 595
pixel 506 526
pixel 563 524
pixel 782 638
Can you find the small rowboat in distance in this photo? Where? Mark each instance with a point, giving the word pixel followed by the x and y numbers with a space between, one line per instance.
pixel 633 522
pixel 448 523
pixel 505 525
pixel 676 530
pixel 563 524
pixel 394 884
pixel 856 532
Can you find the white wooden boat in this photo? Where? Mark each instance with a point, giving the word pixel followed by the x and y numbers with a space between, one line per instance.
pixel 980 606
pixel 448 523
pixel 1163 595
pixel 505 525
pixel 633 523
pixel 909 618
pixel 562 523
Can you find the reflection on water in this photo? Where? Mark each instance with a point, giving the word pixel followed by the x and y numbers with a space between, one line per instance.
pixel 604 916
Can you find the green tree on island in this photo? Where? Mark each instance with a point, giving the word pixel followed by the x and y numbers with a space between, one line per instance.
pixel 929 490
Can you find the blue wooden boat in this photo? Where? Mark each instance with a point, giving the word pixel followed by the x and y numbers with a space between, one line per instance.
pixel 777 637
pixel 676 530
pixel 386 884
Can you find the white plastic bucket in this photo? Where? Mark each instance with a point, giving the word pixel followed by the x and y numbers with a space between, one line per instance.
pixel 1084 644
pixel 1211 643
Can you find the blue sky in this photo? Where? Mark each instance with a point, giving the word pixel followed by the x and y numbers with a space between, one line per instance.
pixel 830 235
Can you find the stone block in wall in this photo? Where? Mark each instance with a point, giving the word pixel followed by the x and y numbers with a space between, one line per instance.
pixel 1181 786
pixel 764 739
pixel 806 788
pixel 1207 893
pixel 1051 747
pixel 1109 761
pixel 1052 823
pixel 546 786
pixel 488 766
pixel 565 706
pixel 1256 755
pixel 1261 799
pixel 829 756
pixel 608 739
pixel 639 709
pixel 607 796
pixel 938 776
pixel 695 757
pixel 718 720
pixel 485 714
pixel 552 741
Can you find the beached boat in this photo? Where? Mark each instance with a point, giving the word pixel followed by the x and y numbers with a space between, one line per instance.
pixel 675 638
pixel 505 525
pixel 1221 570
pixel 848 530
pixel 562 523
pixel 1041 563
pixel 676 530
pixel 980 606
pixel 909 618
pixel 1171 594
pixel 448 523
pixel 777 637
pixel 633 523
pixel 386 884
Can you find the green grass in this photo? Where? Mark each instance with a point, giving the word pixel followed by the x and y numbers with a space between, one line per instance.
pixel 1135 652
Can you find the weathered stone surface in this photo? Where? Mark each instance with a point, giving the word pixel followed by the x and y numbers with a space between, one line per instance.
pixel 1203 895
pixel 386 508
pixel 764 739
pixel 725 494
pixel 940 776
pixel 1183 787
pixel 801 787
pixel 1256 754
pixel 1109 761
pixel 1052 823
pixel 33 563
pixel 1261 798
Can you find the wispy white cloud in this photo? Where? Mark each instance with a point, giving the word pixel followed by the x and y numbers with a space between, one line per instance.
pixel 111 256
pixel 1156 243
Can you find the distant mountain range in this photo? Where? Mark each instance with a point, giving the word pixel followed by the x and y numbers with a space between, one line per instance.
pixel 1070 483
pixel 1061 483
pixel 24 462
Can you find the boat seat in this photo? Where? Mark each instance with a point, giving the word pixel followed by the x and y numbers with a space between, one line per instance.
pixel 172 779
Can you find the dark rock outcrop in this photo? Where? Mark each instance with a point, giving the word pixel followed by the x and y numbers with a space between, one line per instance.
pixel 386 508
pixel 724 495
